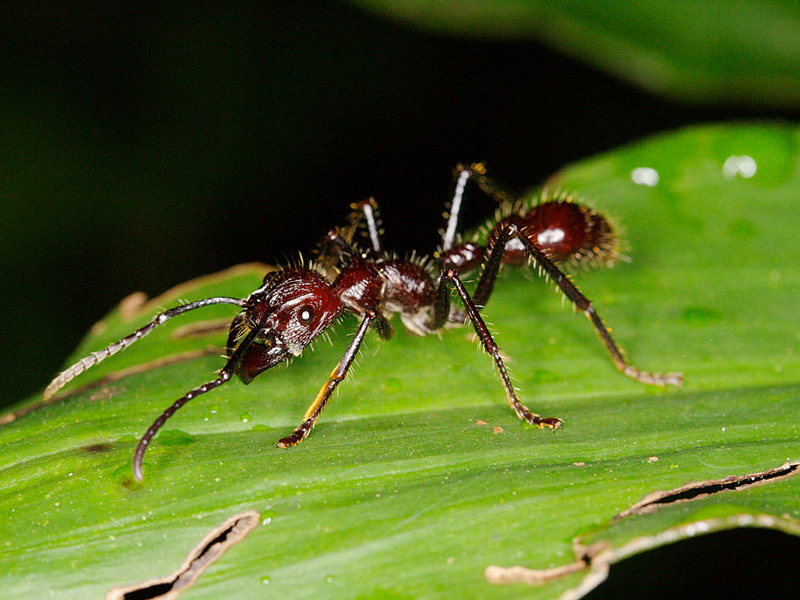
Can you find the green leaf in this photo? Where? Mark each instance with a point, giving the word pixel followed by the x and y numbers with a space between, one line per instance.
pixel 418 476
pixel 717 51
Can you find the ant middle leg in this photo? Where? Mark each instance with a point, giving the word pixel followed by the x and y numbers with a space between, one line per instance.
pixel 454 253
pixel 453 210
pixel 570 290
pixel 442 310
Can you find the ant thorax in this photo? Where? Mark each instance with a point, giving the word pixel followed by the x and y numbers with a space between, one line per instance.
pixel 359 285
pixel 410 291
pixel 397 286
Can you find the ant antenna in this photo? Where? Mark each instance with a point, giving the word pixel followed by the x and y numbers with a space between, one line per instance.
pixel 224 376
pixel 95 357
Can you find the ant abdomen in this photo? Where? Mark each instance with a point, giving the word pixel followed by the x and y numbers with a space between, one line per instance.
pixel 566 230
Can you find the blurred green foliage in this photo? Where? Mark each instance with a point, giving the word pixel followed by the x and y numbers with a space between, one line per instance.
pixel 712 52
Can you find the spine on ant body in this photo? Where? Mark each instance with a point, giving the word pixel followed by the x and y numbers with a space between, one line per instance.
pixel 567 230
pixel 591 239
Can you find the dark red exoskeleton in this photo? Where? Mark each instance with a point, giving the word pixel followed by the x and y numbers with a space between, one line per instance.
pixel 296 304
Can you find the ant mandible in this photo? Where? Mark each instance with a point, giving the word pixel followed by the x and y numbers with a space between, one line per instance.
pixel 296 304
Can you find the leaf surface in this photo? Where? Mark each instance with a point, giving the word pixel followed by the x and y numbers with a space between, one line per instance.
pixel 418 476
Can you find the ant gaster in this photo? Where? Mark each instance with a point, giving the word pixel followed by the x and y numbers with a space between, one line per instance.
pixel 296 304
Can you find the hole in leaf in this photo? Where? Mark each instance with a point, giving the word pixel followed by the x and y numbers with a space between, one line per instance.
pixel 692 491
pixel 197 561
pixel 741 563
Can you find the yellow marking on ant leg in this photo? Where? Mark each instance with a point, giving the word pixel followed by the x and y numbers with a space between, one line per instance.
pixel 321 395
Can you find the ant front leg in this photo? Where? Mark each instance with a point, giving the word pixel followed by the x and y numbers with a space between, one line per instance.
pixel 337 376
pixel 581 302
pixel 450 277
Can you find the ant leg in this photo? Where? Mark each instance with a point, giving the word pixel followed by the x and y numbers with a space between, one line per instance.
pixel 224 376
pixel 339 241
pixel 476 172
pixel 337 375
pixel 453 253
pixel 95 357
pixel 450 277
pixel 369 209
pixel 454 210
pixel 490 187
pixel 364 216
pixel 581 302
pixel 335 237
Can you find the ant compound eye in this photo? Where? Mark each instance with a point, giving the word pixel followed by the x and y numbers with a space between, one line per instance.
pixel 306 314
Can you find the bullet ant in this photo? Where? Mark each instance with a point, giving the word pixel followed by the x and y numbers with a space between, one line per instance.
pixel 296 304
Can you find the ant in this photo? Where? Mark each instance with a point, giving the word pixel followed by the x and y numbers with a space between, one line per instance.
pixel 296 304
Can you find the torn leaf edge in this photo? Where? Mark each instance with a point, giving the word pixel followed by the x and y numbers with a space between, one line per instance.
pixel 597 558
pixel 202 556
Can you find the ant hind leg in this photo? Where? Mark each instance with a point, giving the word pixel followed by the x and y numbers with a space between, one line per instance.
pixel 570 290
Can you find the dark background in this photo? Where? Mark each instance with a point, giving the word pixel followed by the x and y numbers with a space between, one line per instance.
pixel 143 144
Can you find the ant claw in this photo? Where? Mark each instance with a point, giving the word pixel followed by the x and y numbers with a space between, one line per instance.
pixel 298 435
pixel 552 422
pixel 540 422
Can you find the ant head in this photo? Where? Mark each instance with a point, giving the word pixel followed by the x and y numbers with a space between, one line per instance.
pixel 290 310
